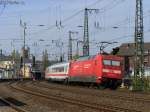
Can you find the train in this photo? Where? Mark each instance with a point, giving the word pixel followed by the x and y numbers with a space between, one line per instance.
pixel 102 70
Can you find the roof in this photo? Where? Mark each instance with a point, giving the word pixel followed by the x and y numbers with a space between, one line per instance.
pixel 28 60
pixel 5 58
pixel 127 49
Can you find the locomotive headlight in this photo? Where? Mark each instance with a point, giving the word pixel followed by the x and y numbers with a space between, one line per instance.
pixel 106 70
pixel 112 71
pixel 117 71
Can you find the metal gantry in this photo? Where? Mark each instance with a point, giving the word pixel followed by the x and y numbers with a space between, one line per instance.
pixel 86 32
pixel 70 44
pixel 59 44
pixel 139 48
pixel 77 47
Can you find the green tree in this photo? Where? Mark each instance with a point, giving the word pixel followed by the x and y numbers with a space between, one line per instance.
pixel 75 57
pixel 15 55
pixel 115 51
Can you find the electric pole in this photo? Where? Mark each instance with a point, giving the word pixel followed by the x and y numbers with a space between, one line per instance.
pixel 77 50
pixel 60 45
pixel 70 47
pixel 86 32
pixel 138 83
pixel 70 44
pixel 24 44
pixel 24 38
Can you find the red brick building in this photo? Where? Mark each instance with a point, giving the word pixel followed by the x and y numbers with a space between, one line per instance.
pixel 126 50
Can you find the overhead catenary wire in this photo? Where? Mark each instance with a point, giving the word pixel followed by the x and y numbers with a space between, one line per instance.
pixel 79 13
pixel 69 18
pixel 102 10
pixel 2 10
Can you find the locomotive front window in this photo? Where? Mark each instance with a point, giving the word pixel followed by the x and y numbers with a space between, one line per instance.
pixel 115 63
pixel 106 62
pixel 111 63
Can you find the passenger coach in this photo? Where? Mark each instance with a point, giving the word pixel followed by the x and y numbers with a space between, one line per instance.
pixel 58 72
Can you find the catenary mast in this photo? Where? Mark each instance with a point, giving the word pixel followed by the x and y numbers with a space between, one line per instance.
pixel 86 50
pixel 139 48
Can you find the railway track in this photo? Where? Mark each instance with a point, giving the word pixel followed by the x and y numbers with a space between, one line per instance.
pixel 13 106
pixel 99 107
pixel 122 97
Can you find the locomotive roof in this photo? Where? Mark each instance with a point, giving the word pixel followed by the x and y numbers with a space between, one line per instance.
pixel 86 57
pixel 93 56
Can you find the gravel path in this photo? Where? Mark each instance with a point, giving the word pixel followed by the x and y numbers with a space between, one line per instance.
pixel 6 109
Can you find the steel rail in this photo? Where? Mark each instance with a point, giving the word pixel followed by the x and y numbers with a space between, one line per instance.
pixel 122 97
pixel 16 108
pixel 100 107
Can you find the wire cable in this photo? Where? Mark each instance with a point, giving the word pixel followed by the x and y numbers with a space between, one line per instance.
pixel 3 8
pixel 75 14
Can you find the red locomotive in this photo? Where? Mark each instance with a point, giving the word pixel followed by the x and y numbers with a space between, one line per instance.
pixel 103 70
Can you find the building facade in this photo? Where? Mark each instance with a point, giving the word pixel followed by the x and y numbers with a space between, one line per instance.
pixel 126 50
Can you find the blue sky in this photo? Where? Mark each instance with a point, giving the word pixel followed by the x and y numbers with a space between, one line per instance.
pixel 119 13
